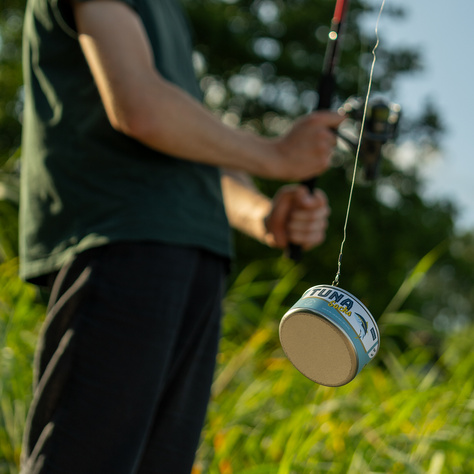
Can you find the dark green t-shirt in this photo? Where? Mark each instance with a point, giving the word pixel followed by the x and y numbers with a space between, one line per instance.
pixel 85 184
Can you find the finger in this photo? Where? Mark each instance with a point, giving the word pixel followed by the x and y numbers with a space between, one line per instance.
pixel 308 240
pixel 308 218
pixel 303 198
pixel 320 195
pixel 308 229
pixel 301 229
pixel 304 216
pixel 328 118
pixel 328 136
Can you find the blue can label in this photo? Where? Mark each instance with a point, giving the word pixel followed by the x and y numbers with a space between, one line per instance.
pixel 350 308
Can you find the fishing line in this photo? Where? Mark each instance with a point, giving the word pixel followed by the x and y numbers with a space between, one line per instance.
pixel 356 160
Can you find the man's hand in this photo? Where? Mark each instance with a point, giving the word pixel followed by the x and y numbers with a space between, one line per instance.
pixel 297 216
pixel 305 151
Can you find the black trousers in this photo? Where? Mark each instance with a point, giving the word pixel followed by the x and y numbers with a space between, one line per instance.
pixel 125 362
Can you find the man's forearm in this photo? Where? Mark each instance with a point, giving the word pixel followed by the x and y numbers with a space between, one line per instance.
pixel 246 206
pixel 142 104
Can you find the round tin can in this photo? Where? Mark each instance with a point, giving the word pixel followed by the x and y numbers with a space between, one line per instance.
pixel 329 335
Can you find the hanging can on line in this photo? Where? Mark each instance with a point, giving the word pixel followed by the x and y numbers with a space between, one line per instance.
pixel 329 335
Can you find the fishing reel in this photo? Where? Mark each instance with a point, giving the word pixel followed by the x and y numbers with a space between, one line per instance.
pixel 381 125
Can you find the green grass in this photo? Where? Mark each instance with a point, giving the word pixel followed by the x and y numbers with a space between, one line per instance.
pixel 20 318
pixel 403 414
pixel 409 411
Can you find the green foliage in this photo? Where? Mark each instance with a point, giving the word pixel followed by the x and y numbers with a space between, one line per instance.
pixel 9 202
pixel 21 315
pixel 11 18
pixel 407 411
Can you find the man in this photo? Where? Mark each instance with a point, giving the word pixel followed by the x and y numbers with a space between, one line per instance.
pixel 123 218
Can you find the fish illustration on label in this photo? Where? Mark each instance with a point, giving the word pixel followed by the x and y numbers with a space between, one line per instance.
pixel 364 326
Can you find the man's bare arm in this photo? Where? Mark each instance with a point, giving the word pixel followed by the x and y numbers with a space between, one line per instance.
pixel 142 104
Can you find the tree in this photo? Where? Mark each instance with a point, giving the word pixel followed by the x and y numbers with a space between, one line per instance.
pixel 259 63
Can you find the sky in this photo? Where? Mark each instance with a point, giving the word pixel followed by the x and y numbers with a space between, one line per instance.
pixel 442 31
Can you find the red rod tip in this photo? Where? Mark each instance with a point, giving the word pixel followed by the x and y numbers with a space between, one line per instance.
pixel 339 11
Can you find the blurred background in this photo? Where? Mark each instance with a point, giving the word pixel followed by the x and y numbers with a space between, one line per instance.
pixel 442 33
pixel 409 254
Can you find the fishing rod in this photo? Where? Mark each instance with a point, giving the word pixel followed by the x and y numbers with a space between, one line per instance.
pixel 382 116
pixel 326 88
